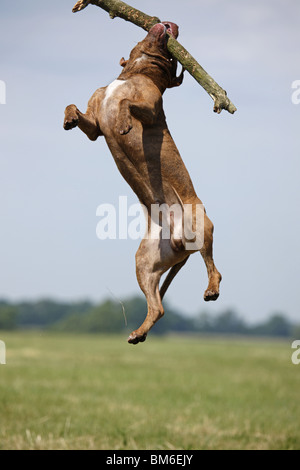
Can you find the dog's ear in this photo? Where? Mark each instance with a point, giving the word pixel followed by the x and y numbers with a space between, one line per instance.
pixel 123 62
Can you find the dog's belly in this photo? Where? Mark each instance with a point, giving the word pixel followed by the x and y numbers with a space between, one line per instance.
pixel 149 161
pixel 147 156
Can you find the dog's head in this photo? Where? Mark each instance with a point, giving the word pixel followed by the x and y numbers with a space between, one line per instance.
pixel 158 35
pixel 152 58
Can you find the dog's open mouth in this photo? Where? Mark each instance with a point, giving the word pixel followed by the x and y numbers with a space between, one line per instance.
pixel 163 30
pixel 171 28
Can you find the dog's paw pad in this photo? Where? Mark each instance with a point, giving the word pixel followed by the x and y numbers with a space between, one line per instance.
pixel 135 338
pixel 70 123
pixel 210 295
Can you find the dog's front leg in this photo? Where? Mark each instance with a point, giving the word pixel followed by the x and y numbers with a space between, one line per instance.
pixel 86 122
pixel 124 120
pixel 144 111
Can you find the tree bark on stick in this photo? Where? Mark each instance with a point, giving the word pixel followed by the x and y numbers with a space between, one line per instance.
pixel 137 17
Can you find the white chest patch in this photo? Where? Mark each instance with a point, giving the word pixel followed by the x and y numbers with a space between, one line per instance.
pixel 112 88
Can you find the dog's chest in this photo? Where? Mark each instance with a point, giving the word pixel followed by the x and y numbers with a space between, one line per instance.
pixel 110 91
pixel 114 93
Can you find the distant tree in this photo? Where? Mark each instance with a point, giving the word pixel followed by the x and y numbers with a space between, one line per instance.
pixel 105 317
pixel 112 316
pixel 45 312
pixel 296 331
pixel 229 322
pixel 204 323
pixel 8 317
pixel 276 325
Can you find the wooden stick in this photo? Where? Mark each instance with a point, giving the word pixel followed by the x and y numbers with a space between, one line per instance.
pixel 137 17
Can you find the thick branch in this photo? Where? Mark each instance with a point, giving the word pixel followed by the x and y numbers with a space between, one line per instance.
pixel 128 13
pixel 122 10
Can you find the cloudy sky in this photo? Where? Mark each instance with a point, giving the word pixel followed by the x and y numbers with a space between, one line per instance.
pixel 245 167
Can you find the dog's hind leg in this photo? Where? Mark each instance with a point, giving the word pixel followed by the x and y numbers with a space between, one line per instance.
pixel 148 276
pixel 153 258
pixel 214 277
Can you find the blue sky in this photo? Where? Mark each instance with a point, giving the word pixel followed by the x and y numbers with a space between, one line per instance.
pixel 245 167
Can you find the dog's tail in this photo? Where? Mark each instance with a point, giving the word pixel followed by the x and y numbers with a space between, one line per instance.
pixel 190 235
pixel 177 243
pixel 171 274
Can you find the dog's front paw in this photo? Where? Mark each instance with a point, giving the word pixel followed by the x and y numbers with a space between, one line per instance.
pixel 70 123
pixel 124 123
pixel 125 128
pixel 71 117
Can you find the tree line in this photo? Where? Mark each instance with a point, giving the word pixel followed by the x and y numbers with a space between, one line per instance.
pixel 111 316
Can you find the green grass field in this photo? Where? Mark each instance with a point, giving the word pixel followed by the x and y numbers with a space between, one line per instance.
pixel 98 392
